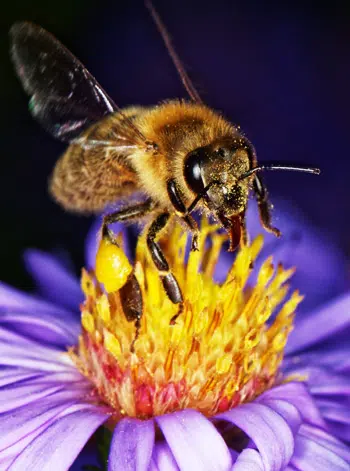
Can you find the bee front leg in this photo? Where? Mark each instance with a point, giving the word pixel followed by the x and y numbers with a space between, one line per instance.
pixel 263 205
pixel 181 211
pixel 169 281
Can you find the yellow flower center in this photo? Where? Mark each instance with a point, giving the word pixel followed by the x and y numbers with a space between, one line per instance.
pixel 225 348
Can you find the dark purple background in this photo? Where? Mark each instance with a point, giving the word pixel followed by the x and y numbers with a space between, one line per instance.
pixel 280 71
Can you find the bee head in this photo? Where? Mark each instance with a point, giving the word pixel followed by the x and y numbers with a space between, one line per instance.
pixel 216 170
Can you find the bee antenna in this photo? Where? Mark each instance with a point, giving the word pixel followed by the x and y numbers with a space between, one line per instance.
pixel 191 90
pixel 290 168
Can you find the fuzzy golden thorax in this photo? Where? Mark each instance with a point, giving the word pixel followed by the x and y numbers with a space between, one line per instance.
pixel 181 129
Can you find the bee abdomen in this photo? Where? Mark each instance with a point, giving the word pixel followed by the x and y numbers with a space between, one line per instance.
pixel 86 181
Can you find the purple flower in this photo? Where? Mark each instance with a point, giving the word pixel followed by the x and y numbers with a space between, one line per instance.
pixel 50 410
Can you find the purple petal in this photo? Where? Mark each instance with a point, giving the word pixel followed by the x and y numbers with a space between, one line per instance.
pixel 268 430
pixel 287 411
pixel 17 350
pixel 321 264
pixel 249 460
pixel 93 237
pixel 295 393
pixel 44 328
pixel 326 440
pixel 19 422
pixel 12 398
pixel 9 454
pixel 15 377
pixel 16 299
pixel 342 431
pixel 194 441
pixel 11 375
pixel 322 323
pixel 312 456
pixel 162 459
pixel 132 445
pixel 325 382
pixel 337 415
pixel 27 392
pixel 332 410
pixel 333 356
pixel 59 444
pixel 53 280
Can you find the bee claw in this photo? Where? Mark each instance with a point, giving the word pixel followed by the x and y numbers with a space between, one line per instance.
pixel 179 312
pixel 137 333
pixel 195 244
pixel 109 235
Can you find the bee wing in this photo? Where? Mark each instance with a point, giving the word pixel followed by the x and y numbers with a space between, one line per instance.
pixel 65 97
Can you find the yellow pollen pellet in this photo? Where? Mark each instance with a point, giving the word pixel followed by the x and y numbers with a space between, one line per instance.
pixel 223 364
pixel 103 311
pixel 112 344
pixel 87 321
pixel 112 266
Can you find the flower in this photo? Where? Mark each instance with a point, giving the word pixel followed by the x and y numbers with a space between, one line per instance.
pixel 258 412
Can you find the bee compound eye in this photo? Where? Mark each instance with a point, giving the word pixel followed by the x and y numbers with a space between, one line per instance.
pixel 193 171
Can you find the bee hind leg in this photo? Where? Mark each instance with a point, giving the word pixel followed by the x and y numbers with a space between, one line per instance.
pixel 130 293
pixel 170 284
pixel 263 205
pixel 132 305
pixel 126 214
pixel 181 211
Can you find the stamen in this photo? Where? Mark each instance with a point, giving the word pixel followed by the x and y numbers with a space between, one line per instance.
pixel 221 351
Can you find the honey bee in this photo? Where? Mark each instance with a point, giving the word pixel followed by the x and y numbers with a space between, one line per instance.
pixel 181 155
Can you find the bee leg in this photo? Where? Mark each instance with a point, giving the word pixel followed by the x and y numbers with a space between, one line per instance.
pixel 181 211
pixel 132 304
pixel 193 226
pixel 132 212
pixel 169 281
pixel 264 207
pixel 244 233
pixel 130 293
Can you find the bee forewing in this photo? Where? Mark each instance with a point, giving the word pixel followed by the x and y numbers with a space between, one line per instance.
pixel 96 169
pixel 65 97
